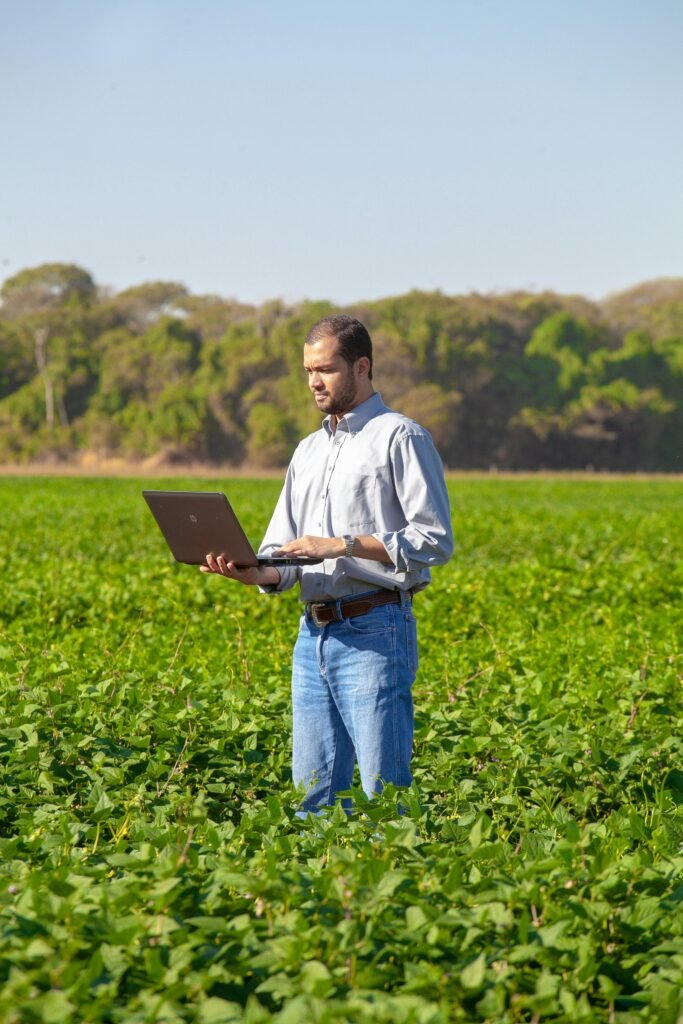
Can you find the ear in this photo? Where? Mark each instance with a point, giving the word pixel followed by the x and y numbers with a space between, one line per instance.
pixel 363 366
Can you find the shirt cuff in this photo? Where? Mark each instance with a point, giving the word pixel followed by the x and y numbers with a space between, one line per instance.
pixel 392 544
pixel 288 577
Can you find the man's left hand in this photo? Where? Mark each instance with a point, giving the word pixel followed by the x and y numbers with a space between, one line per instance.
pixel 313 547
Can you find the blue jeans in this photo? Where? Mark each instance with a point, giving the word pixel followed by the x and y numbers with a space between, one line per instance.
pixel 352 700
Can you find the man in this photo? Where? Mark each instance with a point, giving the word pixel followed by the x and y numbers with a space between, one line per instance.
pixel 365 493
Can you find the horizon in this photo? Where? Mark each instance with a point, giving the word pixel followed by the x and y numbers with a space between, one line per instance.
pixel 104 288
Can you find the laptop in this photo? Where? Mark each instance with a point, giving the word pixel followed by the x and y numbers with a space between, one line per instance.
pixel 195 523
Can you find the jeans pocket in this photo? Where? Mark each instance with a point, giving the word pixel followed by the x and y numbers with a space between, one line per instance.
pixel 356 625
pixel 377 620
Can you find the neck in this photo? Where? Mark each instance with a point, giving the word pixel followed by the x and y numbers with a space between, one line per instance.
pixel 359 401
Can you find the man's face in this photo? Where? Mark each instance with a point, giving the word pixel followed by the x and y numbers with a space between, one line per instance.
pixel 333 381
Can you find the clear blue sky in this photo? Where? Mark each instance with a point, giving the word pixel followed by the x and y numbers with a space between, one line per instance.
pixel 344 150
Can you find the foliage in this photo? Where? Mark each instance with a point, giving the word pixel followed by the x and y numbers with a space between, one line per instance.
pixel 515 381
pixel 272 436
pixel 152 866
pixel 46 287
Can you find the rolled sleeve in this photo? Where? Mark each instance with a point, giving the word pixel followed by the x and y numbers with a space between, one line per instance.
pixel 289 575
pixel 281 529
pixel 426 539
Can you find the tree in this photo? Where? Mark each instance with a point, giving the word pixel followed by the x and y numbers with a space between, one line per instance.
pixel 140 307
pixel 437 411
pixel 46 288
pixel 40 300
pixel 16 361
pixel 657 303
pixel 272 436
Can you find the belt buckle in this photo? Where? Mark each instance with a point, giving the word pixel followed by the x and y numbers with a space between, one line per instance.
pixel 313 609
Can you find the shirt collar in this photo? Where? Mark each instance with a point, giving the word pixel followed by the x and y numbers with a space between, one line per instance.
pixel 356 418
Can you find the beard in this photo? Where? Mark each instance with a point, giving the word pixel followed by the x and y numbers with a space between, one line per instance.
pixel 337 405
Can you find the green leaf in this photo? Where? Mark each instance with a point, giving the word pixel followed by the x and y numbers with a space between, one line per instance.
pixel 480 830
pixel 472 976
pixel 55 1007
pixel 218 1011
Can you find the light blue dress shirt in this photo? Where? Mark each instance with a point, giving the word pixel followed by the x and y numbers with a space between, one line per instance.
pixel 378 473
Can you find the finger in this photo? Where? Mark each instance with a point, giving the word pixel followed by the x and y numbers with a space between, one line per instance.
pixel 236 572
pixel 211 562
pixel 293 548
pixel 223 565
pixel 290 545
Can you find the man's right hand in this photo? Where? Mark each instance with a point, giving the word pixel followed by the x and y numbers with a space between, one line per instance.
pixel 252 575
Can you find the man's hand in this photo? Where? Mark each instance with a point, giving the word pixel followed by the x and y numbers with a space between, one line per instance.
pixel 253 575
pixel 335 547
pixel 313 547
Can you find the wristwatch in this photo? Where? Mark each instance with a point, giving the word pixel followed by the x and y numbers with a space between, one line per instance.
pixel 349 541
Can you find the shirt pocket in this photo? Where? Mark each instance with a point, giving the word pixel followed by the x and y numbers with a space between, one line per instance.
pixel 354 507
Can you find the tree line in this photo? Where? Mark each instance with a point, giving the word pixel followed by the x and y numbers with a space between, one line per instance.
pixel 516 381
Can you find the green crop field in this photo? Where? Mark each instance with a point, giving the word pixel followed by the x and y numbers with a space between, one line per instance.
pixel 152 867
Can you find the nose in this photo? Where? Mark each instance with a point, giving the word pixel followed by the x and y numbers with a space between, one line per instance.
pixel 314 382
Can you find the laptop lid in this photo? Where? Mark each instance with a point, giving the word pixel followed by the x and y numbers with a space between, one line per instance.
pixel 195 523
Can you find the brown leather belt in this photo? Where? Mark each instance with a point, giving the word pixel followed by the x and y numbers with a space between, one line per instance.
pixel 323 612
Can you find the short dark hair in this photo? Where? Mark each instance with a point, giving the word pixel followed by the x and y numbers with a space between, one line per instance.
pixel 351 336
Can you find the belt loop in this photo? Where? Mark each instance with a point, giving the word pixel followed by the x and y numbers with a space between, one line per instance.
pixel 405 599
pixel 338 610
